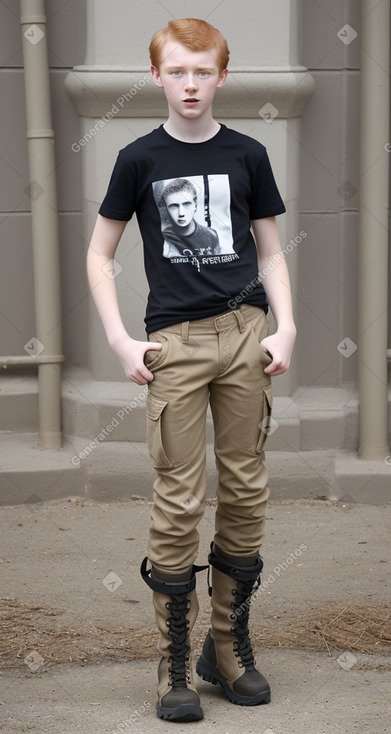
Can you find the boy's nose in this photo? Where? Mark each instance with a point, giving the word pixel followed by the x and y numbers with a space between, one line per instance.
pixel 190 82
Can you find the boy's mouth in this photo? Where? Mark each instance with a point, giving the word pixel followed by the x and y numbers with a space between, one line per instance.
pixel 191 100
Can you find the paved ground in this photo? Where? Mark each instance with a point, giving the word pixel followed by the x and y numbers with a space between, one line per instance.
pixel 83 558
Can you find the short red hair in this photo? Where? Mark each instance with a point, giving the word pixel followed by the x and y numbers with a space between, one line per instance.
pixel 197 35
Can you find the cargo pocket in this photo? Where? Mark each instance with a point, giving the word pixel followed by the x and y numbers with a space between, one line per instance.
pixel 155 409
pixel 266 426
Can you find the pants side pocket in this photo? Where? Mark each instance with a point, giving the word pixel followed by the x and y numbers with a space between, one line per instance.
pixel 265 425
pixel 155 409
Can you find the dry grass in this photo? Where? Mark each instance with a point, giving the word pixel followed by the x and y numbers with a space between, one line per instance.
pixel 355 627
pixel 26 628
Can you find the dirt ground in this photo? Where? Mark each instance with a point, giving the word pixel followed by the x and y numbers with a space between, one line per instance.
pixel 72 591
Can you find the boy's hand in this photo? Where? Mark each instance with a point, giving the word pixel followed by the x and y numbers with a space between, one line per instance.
pixel 280 348
pixel 131 355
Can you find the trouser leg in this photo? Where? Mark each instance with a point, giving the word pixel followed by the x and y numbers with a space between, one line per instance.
pixel 176 408
pixel 176 412
pixel 241 401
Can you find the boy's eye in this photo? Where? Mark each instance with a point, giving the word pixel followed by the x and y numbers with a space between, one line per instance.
pixel 202 74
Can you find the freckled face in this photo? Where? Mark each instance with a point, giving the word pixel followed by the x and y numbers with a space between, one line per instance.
pixel 189 79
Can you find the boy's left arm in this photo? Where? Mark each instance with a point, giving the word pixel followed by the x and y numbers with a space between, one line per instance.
pixel 275 281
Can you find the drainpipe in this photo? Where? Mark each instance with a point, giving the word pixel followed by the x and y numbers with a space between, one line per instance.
pixel 44 218
pixel 373 229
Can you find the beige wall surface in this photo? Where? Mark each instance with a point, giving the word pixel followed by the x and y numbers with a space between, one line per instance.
pixel 329 192
pixel 259 34
pixel 66 39
pixel 314 153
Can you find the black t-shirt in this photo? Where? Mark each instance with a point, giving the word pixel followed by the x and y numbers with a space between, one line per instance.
pixel 177 190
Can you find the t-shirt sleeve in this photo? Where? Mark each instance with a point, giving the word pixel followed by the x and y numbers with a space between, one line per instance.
pixel 120 200
pixel 265 200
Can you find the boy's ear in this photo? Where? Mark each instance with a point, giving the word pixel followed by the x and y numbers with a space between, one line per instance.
pixel 156 76
pixel 223 77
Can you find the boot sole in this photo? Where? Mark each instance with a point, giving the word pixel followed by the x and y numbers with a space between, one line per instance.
pixel 209 673
pixel 184 712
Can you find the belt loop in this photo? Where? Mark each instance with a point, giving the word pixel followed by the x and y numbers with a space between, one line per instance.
pixel 185 331
pixel 240 320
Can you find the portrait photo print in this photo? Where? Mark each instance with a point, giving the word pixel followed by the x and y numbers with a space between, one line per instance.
pixel 195 215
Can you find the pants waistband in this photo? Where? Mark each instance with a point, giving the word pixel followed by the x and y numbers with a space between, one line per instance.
pixel 234 318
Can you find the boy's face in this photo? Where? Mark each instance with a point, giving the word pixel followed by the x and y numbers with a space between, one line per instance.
pixel 189 79
pixel 181 208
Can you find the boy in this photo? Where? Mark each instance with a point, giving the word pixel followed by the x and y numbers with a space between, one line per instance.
pixel 201 351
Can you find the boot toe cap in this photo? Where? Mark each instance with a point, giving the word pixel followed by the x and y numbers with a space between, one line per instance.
pixel 251 683
pixel 178 696
pixel 180 704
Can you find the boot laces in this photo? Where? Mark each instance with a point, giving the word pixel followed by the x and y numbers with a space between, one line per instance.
pixel 241 610
pixel 178 630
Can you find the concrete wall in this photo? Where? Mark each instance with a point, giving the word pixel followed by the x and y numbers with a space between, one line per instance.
pixel 66 38
pixel 328 193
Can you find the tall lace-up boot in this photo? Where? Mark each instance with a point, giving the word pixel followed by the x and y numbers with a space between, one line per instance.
pixel 176 609
pixel 227 656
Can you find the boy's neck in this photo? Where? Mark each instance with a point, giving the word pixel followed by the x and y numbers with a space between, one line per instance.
pixel 191 131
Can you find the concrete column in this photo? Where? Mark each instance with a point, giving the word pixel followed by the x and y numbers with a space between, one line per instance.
pixel 44 220
pixel 373 229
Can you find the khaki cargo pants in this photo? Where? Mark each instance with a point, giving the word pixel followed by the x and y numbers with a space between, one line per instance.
pixel 216 360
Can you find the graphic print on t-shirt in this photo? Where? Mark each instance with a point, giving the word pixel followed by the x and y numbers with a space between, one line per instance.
pixel 195 218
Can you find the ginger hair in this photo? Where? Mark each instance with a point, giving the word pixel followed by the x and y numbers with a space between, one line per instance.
pixel 195 34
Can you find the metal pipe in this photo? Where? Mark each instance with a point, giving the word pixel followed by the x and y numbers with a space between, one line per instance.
pixel 44 218
pixel 22 360
pixel 373 229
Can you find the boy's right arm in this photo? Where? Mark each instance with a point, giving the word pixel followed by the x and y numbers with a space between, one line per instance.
pixel 103 245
